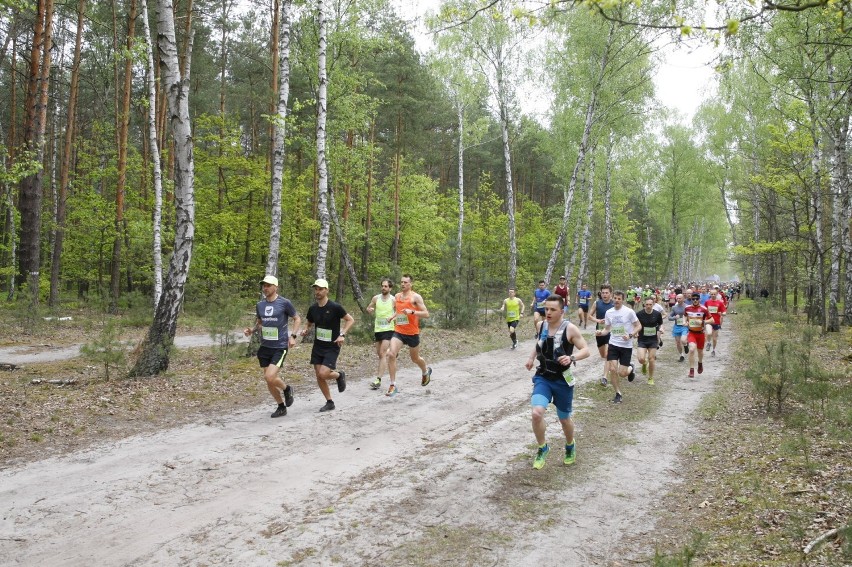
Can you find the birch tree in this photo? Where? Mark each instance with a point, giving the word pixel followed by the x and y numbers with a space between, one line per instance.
pixel 156 347
pixel 322 165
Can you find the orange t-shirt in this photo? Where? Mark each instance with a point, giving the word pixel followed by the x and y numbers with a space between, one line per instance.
pixel 406 324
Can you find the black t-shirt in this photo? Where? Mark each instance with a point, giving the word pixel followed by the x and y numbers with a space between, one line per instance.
pixel 651 323
pixel 326 319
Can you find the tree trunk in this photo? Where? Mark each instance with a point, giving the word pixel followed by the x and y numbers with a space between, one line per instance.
pixel 507 162
pixel 156 347
pixel 590 208
pixel 368 214
pixel 460 234
pixel 344 254
pixel 65 166
pixel 322 165
pixel 279 149
pixel 607 211
pixel 123 120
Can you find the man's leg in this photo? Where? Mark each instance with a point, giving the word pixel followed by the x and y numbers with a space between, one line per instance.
pixel 414 353
pixel 273 383
pixel 568 430
pixel 538 425
pixel 381 352
pixel 393 351
pixel 324 373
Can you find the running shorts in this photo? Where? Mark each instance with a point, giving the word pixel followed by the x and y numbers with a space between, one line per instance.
pixel 325 355
pixel 558 391
pixel 383 336
pixel 697 338
pixel 621 354
pixel 411 341
pixel 273 356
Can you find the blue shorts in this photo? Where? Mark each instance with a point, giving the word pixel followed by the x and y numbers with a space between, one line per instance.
pixel 680 331
pixel 557 391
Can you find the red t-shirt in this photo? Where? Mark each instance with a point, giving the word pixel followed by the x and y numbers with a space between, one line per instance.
pixel 716 307
pixel 563 292
pixel 696 318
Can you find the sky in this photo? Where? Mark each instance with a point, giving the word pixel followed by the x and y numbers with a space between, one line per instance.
pixel 684 78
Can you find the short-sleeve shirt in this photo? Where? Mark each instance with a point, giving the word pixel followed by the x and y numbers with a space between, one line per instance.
pixel 651 323
pixel 678 314
pixel 696 318
pixel 541 296
pixel 716 307
pixel 583 296
pixel 274 316
pixel 621 322
pixel 326 319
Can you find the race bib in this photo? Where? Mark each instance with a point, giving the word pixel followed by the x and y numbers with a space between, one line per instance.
pixel 713 309
pixel 696 323
pixel 600 326
pixel 583 301
pixel 649 331
pixel 512 314
pixel 324 334
pixel 401 319
pixel 619 331
pixel 680 321
pixel 569 378
pixel 269 333
pixel 540 305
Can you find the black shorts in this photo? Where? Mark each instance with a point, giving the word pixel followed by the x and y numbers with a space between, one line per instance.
pixel 325 355
pixel 411 341
pixel 274 356
pixel 602 340
pixel 715 326
pixel 584 307
pixel 539 311
pixel 512 324
pixel 383 336
pixel 621 354
pixel 649 342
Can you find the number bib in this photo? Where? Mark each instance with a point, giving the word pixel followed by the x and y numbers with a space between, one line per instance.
pixel 713 309
pixel 696 323
pixel 401 319
pixel 583 301
pixel 269 333
pixel 649 331
pixel 323 334
pixel 619 331
pixel 680 321
pixel 512 314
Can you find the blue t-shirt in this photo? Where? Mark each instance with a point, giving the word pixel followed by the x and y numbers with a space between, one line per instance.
pixel 583 296
pixel 541 296
pixel 274 316
pixel 704 298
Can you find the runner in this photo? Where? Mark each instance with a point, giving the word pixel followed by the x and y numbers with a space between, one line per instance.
pixel 562 291
pixel 583 297
pixel 697 318
pixel 273 313
pixel 603 304
pixel 410 308
pixel 717 308
pixel 326 315
pixel 678 314
pixel 621 324
pixel 382 305
pixel 514 308
pixel 650 337
pixel 553 380
pixel 659 308
pixel 540 295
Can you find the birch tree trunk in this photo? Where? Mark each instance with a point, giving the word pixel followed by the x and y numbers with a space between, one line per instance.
pixel 344 254
pixel 816 292
pixel 460 114
pixel 502 100
pixel 279 150
pixel 575 249
pixel 156 348
pixel 322 166
pixel 154 144
pixel 65 166
pixel 839 180
pixel 590 208
pixel 607 208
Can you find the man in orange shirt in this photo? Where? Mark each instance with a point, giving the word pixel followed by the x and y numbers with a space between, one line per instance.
pixel 409 309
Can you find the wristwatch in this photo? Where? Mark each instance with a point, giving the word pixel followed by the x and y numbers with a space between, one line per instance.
pixel 342 335
pixel 294 335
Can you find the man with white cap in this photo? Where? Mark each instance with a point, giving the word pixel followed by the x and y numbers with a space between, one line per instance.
pixel 326 316
pixel 273 315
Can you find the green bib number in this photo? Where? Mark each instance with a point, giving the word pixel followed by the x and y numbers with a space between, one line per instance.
pixel 402 319
pixel 649 331
pixel 619 331
pixel 511 315
pixel 269 333
pixel 324 334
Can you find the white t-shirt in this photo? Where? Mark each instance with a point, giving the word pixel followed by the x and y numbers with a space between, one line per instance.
pixel 621 322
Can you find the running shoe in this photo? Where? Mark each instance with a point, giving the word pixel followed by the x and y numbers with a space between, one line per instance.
pixel 700 368
pixel 288 396
pixel 661 343
pixel 426 377
pixel 713 352
pixel 681 358
pixel 686 349
pixel 280 412
pixel 617 398
pixel 570 454
pixel 376 384
pixel 632 376
pixel 341 381
pixel 392 390
pixel 514 346
pixel 692 373
pixel 707 347
pixel 644 368
pixel 329 405
pixel 650 380
pixel 604 381
pixel 541 456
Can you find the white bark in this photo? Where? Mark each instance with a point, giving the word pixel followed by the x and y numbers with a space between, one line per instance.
pixel 607 206
pixel 507 160
pixel 155 352
pixel 279 149
pixel 154 143
pixel 460 112
pixel 322 165
pixel 817 294
pixel 839 179
pixel 344 254
pixel 590 207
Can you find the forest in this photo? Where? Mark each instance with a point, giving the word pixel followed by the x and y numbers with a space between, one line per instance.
pixel 184 148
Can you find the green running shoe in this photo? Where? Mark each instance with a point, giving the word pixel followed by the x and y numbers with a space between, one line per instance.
pixel 541 456
pixel 376 383
pixel 570 453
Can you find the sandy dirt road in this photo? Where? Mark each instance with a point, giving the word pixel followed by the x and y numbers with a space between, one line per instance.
pixel 415 479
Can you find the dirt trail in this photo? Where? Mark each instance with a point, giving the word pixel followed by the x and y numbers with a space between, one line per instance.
pixel 362 485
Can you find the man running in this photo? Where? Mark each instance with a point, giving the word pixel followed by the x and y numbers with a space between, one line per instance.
pixel 649 338
pixel 383 305
pixel 553 381
pixel 717 308
pixel 562 291
pixel 540 295
pixel 697 318
pixel 602 305
pixel 410 308
pixel 326 316
pixel 583 298
pixel 678 314
pixel 621 324
pixel 273 314
pixel 514 309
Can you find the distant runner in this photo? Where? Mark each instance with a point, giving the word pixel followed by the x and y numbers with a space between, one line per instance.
pixel 678 314
pixel 621 324
pixel 697 318
pixel 584 297
pixel 553 380
pixel 540 295
pixel 602 305
pixel 410 308
pixel 383 305
pixel 717 308
pixel 514 309
pixel 562 291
